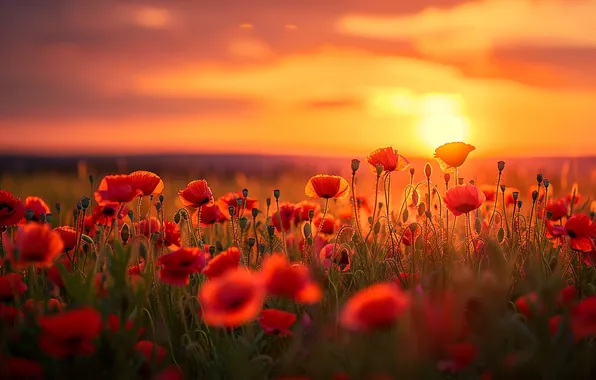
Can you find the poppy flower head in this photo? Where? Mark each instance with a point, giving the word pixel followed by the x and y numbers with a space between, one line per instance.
pixel 463 199
pixel 232 299
pixel 581 231
pixel 509 198
pixel 11 285
pixel 225 261
pixel 489 191
pixel 558 210
pixel 105 214
pixel 210 214
pixel 375 307
pixel 302 209
pixel 12 209
pixel 341 260
pixel 149 183
pixel 36 244
pixel 277 322
pixel 70 333
pixel 148 227
pixel 196 194
pixel 283 279
pixel 150 352
pixel 528 304
pixel 172 235
pixel 40 307
pixel 53 273
pixel 327 187
pixel 328 224
pixel 389 159
pixel 38 206
pixel 285 213
pixel 237 201
pixel 68 235
pixel 118 188
pixel 583 318
pixel 177 266
pixel 452 155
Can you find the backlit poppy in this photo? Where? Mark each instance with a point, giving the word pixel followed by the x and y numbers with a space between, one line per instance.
pixel 68 236
pixel 38 206
pixel 37 245
pixel 105 214
pixel 558 210
pixel 232 199
pixel 529 304
pixel 463 199
pixel 581 231
pixel 172 235
pixel 210 214
pixel 329 224
pixel 409 237
pixel 196 194
pixel 490 192
pixel 283 279
pixel 375 307
pixel 12 209
pixel 302 209
pixel 327 186
pixel 148 227
pixel 567 296
pixel 20 368
pixel 53 273
pixel 389 159
pixel 149 183
pixel 70 333
pixel 11 285
pixel 583 318
pixel 177 266
pixel 285 213
pixel 117 189
pixel 452 155
pixel 277 322
pixel 222 263
pixel 150 352
pixel 555 233
pixel 232 299
pixel 341 260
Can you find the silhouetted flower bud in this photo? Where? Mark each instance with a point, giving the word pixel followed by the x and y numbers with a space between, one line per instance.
pixel 539 178
pixel 245 193
pixel 377 228
pixel 49 217
pixel 57 207
pixel 177 218
pixel 85 202
pixel 370 220
pixel 311 214
pixel 161 198
pixel 307 229
pixel 519 204
pixel 447 177
pixel 212 250
pixel 276 194
pixel 428 214
pixel 86 239
pixel 251 242
pixel 158 206
pixel 472 182
pixel 428 170
pixel 549 214
pixel 546 183
pixel 380 169
pixel 515 195
pixel 460 181
pixel 255 212
pixel 271 231
pixel 262 249
pixel 79 206
pixel 501 235
pixel 268 202
pixel 412 171
pixel 29 214
pixel 501 165
pixel 592 214
pixel 421 209
pixel 232 210
pixel 405 215
pixel 243 222
pixel 503 188
pixel 239 202
pixel 355 165
pixel 91 179
pixel 125 233
pixel 534 195
pixel 130 215
pixel 42 217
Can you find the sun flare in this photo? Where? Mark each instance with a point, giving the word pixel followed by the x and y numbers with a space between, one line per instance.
pixel 442 120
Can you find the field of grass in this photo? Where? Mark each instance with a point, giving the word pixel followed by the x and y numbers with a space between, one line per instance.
pixel 232 275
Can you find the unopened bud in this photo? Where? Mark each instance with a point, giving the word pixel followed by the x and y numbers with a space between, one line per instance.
pixel 472 182
pixel 412 171
pixel 158 206
pixel 245 193
pixel 85 202
pixel 405 215
pixel 177 218
pixel 539 178
pixel 370 220
pixel 243 222
pixel 42 217
pixel 460 181
pixel 232 210
pixel 355 165
pixel 251 242
pixel 307 229
pixel 29 214
pixel 546 183
pixel 501 165
pixel 421 209
pixel 549 214
pixel 447 178
pixel 130 215
pixel 503 188
pixel 428 170
pixel 57 207
pixel 534 195
pixel 91 179
pixel 161 198
pixel 271 231
pixel 268 202
pixel 212 250
pixel 255 212
pixel 125 233
pixel 519 204
pixel 79 206
pixel 49 217
pixel 276 194
pixel 262 249
pixel 380 169
pixel 428 214
pixel 239 202
pixel 87 239
pixel 515 195
pixel 592 214
pixel 311 214
pixel 377 228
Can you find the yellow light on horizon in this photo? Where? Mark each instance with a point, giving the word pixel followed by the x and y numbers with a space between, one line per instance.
pixel 442 120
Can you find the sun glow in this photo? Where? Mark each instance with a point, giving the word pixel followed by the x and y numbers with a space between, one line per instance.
pixel 442 120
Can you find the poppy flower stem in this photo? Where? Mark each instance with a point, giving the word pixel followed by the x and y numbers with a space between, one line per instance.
pixel 492 217
pixel 200 237
pixel 355 206
pixel 374 208
pixel 282 228
pixel 513 225
pixel 325 210
pixel 138 218
pixel 527 245
pixel 579 274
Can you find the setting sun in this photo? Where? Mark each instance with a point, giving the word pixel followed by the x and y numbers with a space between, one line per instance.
pixel 442 120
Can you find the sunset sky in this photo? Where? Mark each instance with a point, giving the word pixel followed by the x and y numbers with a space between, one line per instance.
pixel 312 77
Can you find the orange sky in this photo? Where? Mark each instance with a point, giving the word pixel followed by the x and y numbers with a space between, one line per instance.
pixel 513 77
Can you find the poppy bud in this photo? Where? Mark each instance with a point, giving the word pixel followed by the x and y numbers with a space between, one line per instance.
pixel 413 227
pixel 501 165
pixel 86 239
pixel 592 214
pixel 29 214
pixel 161 198
pixel 57 207
pixel 91 179
pixel 232 211
pixel 503 188
pixel 380 169
pixel 212 250
pixel 262 249
pixel 478 226
pixel 534 195
pixel 377 227
pixel 251 242
pixel 428 214
pixel 421 209
pixel 519 204
pixel 276 194
pixel 268 202
pixel 472 182
pixel 243 222
pixel 245 193
pixel 311 214
pixel 546 183
pixel 85 202
pixel 307 229
pixel 447 177
pixel 515 195
pixel 405 215
pixel 271 231
pixel 380 205
pixel 460 181
pixel 42 217
pixel 501 235
pixel 130 215
pixel 255 212
pixel 239 202
pixel 79 206
pixel 176 218
pixel 428 170
pixel 184 215
pixel 370 220
pixel 549 214
pixel 125 233
pixel 355 165
pixel 539 178
pixel 158 206
pixel 49 217
pixel 412 171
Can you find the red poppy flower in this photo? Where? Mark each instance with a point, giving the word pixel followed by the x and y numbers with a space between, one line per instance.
pixel 118 188
pixel 556 234
pixel 106 213
pixel 389 158
pixel 463 199
pixel 329 224
pixel 567 296
pixel 210 214
pixel 68 236
pixel 177 266
pixel 70 333
pixel 461 355
pixel 38 206
pixel 196 194
pixel 232 299
pixel 558 209
pixel 410 237
pixel 172 235
pixel 149 183
pixel 20 368
pixel 12 210
pixel 452 155
pixel 575 199
pixel 222 263
pixel 277 322
pixel 170 373
pixel 150 352
pixel 581 231
pixel 302 209
pixel 327 186
pixel 9 315
pixel 232 199
pixel 11 285
pixel 148 227
pixel 292 281
pixel 286 210
pixel 340 260
pixel 37 245
pixel 490 192
pixel 583 319
pixel 375 307
pixel 53 273
pixel 528 304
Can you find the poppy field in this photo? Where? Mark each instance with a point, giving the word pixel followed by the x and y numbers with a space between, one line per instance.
pixel 450 280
